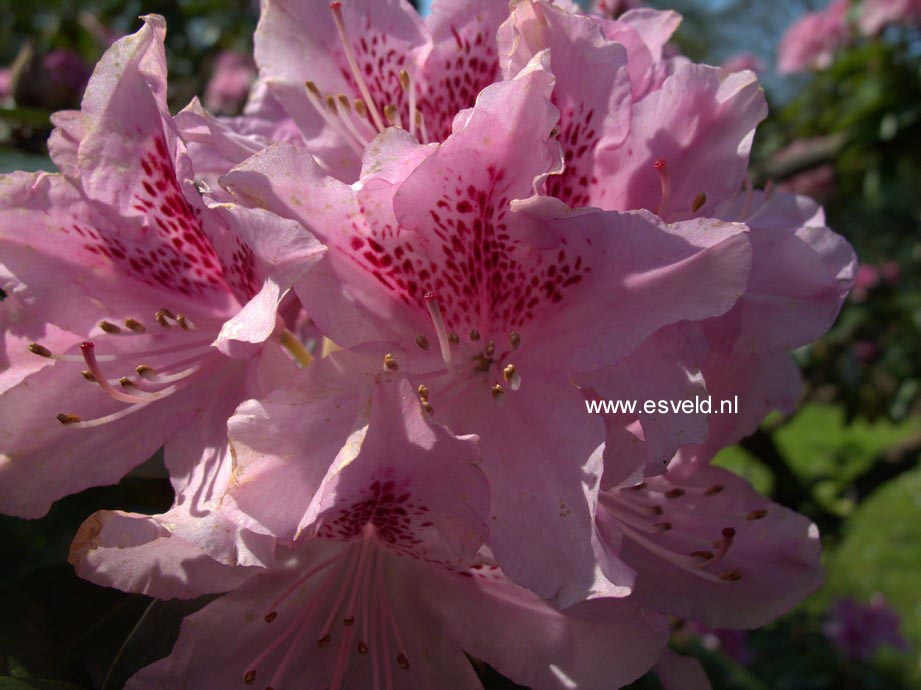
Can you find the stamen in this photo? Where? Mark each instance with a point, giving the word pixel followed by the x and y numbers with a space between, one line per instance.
pixel 423 131
pixel 345 114
pixel 161 319
pixel 67 419
pixel 146 372
pixel 390 362
pixel 674 493
pixel 421 341
pixel 313 95
pixel 110 328
pixel 497 391
pixel 185 323
pixel 756 514
pixel 514 339
pixel 88 375
pixel 89 355
pixel 431 301
pixel 134 325
pixel 423 392
pixel 713 490
pixel 410 88
pixel 662 168
pixel 474 335
pixel 101 421
pixel 293 345
pixel 336 9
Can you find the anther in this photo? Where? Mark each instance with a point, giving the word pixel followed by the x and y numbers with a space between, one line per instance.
pixel 345 104
pixel 134 325
pixel 184 323
pixel 39 350
pixel 662 168
pixel 453 338
pixel 731 576
pixel 65 419
pixel 656 510
pixel 674 493
pixel 125 382
pixel 323 641
pixel 490 349
pixel 249 677
pixel 662 526
pixel 390 362
pixel 393 116
pixel 423 392
pixel 331 104
pixel 427 406
pixel 362 648
pixel 161 319
pixel 403 661
pixel 167 313
pixel 360 108
pixel 348 621
pixel 511 376
pixel 497 391
pixel 110 328
pixel 713 490
pixel 474 335
pixel 421 341
pixel 406 83
pixel 145 371
pixel 756 514
pixel 514 339
pixel 698 202
pixel 312 89
pixel 88 375
pixel 270 616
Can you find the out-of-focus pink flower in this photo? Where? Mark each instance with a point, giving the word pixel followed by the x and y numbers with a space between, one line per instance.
pixel 228 87
pixel 891 272
pixel 859 629
pixel 818 182
pixel 614 8
pixel 743 61
pixel 812 41
pixel 66 69
pixel 866 279
pixel 875 15
pixel 865 350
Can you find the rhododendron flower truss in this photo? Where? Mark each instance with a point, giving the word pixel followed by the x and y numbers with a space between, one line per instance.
pixel 369 64
pixel 476 297
pixel 147 308
pixel 386 585
pixel 705 546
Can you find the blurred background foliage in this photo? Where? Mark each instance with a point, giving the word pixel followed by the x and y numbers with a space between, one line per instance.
pixel 849 134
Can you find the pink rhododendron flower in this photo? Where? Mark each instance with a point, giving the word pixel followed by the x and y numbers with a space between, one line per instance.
pixel 476 296
pixel 386 584
pixel 228 87
pixel 875 15
pixel 159 300
pixel 812 41
pixel 859 630
pixel 740 62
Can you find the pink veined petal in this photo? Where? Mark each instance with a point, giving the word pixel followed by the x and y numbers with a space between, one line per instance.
pixel 594 113
pixel 463 60
pixel 64 142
